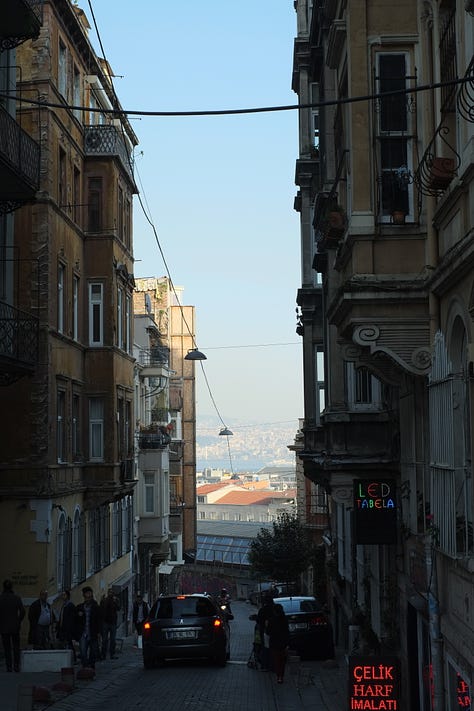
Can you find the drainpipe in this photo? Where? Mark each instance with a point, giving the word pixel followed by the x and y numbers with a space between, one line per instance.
pixel 436 641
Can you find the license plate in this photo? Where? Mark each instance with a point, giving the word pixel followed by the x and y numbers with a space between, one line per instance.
pixel 181 634
pixel 297 626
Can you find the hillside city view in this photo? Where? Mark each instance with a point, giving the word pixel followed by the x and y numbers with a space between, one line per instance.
pixel 251 446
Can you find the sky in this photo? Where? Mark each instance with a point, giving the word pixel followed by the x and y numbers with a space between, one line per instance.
pixel 219 189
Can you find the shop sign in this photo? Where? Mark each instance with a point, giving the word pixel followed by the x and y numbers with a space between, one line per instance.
pixel 374 684
pixel 375 511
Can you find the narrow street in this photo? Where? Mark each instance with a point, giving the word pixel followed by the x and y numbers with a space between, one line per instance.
pixel 124 685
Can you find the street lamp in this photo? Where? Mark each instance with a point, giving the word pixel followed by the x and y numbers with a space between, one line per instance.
pixel 226 432
pixel 195 354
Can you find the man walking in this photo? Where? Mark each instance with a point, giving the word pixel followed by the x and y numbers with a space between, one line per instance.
pixel 66 623
pixel 140 613
pixel 109 608
pixel 12 613
pixel 88 628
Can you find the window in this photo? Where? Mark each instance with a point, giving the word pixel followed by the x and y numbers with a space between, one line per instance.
pixel 96 429
pixel 128 223
pixel 61 297
pixel 315 117
pixel 119 317
pixel 94 203
pixel 363 390
pixel 76 199
pixel 61 426
pixel 96 314
pixel 76 428
pixel 120 214
pixel 62 181
pixel 76 92
pixel 62 70
pixel 78 547
pixel 394 127
pixel 75 307
pixel 149 492
pixel 128 325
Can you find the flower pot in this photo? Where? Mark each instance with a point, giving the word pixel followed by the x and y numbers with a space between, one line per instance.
pixel 398 217
pixel 441 172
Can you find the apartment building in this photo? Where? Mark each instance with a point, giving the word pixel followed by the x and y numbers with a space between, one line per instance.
pixel 67 284
pixel 386 204
pixel 160 300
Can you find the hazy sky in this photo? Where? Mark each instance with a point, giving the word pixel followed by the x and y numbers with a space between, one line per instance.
pixel 220 190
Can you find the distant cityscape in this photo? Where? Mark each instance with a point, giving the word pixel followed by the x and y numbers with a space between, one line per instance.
pixel 251 446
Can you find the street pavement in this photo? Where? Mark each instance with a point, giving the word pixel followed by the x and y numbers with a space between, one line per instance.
pixel 123 684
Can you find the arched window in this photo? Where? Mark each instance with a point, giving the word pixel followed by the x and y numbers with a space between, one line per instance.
pixel 78 547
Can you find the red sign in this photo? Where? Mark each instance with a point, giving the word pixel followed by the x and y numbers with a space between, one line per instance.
pixel 374 684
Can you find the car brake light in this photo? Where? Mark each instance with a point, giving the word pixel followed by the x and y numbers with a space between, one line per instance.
pixel 217 622
pixel 181 597
pixel 318 621
pixel 147 626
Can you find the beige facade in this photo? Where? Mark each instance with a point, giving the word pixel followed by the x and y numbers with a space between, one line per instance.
pixel 176 324
pixel 386 200
pixel 67 416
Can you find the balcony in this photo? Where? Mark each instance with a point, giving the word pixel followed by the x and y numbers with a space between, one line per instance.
pixel 154 362
pixel 21 20
pixel 154 438
pixel 19 164
pixel 18 343
pixel 105 142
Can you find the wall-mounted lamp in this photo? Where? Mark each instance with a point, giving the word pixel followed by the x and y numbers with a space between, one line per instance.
pixel 226 432
pixel 58 506
pixel 195 354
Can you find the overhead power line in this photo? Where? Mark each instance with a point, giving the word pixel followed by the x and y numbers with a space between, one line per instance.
pixel 231 112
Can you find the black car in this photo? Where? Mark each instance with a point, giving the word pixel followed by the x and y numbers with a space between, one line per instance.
pixel 310 630
pixel 185 627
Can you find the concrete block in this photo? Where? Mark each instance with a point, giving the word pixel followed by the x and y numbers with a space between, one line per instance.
pixel 39 660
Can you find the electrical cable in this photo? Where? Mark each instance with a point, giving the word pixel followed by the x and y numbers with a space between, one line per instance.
pixel 255 110
pixel 149 219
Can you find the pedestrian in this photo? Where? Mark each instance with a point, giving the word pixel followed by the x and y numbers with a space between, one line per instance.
pixel 87 628
pixel 66 623
pixel 12 613
pixel 40 618
pixel 279 639
pixel 139 615
pixel 263 615
pixel 109 607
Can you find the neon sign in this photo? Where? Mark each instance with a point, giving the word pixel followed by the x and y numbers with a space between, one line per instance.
pixel 375 511
pixel 463 694
pixel 374 684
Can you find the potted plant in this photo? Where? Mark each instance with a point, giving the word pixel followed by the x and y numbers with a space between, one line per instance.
pixel 441 172
pixel 398 216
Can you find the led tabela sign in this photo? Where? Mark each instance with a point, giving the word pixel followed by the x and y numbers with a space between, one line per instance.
pixel 374 684
pixel 375 511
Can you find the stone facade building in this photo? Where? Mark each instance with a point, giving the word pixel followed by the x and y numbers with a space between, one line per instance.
pixel 67 285
pixel 386 200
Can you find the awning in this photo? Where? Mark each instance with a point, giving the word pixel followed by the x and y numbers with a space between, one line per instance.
pixel 122 582
pixel 165 569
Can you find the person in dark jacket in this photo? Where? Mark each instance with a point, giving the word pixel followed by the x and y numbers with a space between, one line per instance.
pixel 279 639
pixel 109 607
pixel 66 622
pixel 140 613
pixel 12 613
pixel 263 615
pixel 88 628
pixel 40 618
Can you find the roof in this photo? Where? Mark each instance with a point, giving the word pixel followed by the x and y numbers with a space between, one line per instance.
pixel 204 489
pixel 246 498
pixel 244 529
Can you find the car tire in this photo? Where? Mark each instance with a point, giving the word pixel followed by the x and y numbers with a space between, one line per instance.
pixel 221 659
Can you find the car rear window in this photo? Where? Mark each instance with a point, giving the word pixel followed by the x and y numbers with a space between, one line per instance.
pixel 169 608
pixel 295 605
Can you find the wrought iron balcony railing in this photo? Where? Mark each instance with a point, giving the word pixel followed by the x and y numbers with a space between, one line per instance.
pixel 19 164
pixel 106 140
pixel 465 97
pixel 21 20
pixel 153 440
pixel 156 356
pixel 18 338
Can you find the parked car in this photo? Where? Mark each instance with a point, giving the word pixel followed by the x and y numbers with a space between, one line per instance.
pixel 310 629
pixel 185 627
pixel 275 589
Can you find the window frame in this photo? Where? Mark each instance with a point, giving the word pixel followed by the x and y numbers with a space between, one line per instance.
pixel 96 314
pixel 96 423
